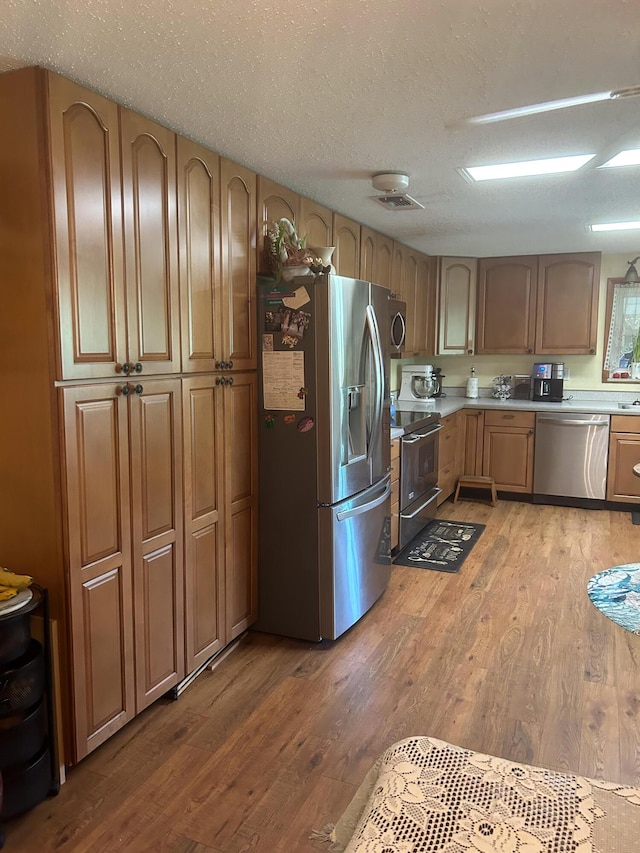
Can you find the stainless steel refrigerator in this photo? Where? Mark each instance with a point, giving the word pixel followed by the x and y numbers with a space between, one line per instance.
pixel 324 510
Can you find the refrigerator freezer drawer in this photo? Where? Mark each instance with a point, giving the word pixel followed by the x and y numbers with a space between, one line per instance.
pixel 354 557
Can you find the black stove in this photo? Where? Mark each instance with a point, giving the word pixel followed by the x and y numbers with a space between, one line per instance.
pixel 411 421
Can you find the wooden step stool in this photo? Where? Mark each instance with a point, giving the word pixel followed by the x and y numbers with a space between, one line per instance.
pixel 477 483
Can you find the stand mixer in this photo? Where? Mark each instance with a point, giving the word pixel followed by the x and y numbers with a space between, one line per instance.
pixel 417 388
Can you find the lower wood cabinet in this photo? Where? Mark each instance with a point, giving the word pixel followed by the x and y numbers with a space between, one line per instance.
pixel 472 441
pixel 508 450
pixel 220 449
pixel 624 452
pixel 123 468
pixel 449 455
pixel 395 492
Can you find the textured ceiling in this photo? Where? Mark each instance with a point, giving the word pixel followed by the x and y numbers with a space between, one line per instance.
pixel 320 94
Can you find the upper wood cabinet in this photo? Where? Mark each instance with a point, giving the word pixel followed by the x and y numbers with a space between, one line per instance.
pixel 376 257
pixel 567 312
pixel 506 315
pixel 425 305
pixel 316 222
pixel 151 244
pixel 456 306
pixel 238 300
pixel 113 173
pixel 199 238
pixel 346 238
pixel 274 202
pixel 87 221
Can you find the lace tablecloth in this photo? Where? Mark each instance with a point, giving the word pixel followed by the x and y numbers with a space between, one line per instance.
pixel 426 796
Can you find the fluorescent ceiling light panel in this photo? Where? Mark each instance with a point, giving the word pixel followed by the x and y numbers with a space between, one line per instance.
pixel 546 107
pixel 550 166
pixel 630 157
pixel 615 226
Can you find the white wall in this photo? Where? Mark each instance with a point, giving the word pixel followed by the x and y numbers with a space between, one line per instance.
pixel 585 370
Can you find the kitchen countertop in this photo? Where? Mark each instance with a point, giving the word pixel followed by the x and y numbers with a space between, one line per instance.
pixel 448 405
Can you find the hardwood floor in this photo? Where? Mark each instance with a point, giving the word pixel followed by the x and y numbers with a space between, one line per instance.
pixel 507 657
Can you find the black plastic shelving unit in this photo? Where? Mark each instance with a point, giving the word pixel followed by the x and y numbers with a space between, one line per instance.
pixel 28 766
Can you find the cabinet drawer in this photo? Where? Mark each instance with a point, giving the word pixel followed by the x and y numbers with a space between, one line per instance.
pixel 449 422
pixel 514 419
pixel 447 482
pixel 625 423
pixel 395 469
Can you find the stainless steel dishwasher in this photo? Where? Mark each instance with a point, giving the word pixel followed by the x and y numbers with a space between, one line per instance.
pixel 570 461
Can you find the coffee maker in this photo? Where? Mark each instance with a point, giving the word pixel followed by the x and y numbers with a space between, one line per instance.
pixel 547 382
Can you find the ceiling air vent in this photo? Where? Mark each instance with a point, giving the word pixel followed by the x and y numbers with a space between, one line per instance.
pixel 398 201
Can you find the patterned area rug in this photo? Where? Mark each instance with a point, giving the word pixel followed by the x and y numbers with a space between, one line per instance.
pixel 442 546
pixel 616 593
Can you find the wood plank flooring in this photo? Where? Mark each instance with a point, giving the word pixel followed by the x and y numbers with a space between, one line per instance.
pixel 507 657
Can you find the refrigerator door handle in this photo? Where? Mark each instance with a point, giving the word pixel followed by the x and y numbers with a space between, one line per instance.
pixel 378 362
pixel 359 510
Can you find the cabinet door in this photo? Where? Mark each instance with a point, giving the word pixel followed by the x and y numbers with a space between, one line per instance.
pixel 87 223
pixel 567 315
pixel 383 260
pixel 508 458
pixel 241 503
pixel 151 243
pixel 425 306
pixel 316 222
pixel 409 295
pixel 367 253
pixel 238 228
pixel 624 453
pixel 456 305
pixel 346 236
pixel 274 202
pixel 156 522
pixel 205 632
pixel 96 466
pixel 473 442
pixel 199 237
pixel 506 305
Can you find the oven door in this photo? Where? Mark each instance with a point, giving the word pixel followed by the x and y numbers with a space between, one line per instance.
pixel 418 464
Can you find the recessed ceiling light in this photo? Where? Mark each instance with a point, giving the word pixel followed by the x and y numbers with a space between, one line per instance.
pixel 630 157
pixel 550 166
pixel 614 226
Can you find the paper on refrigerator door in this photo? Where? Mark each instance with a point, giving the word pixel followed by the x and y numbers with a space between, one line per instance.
pixel 283 381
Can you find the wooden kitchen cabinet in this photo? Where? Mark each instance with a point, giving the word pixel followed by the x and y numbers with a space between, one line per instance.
pixel 395 492
pixel 93 458
pixel 376 254
pixel 123 464
pixel 346 238
pixel 508 450
pixel 567 307
pixel 221 493
pixel 457 280
pixel 425 306
pixel 623 486
pixel 151 244
pixel 473 442
pixel 199 235
pixel 449 456
pixel 238 258
pixel 316 223
pixel 274 202
pixel 506 307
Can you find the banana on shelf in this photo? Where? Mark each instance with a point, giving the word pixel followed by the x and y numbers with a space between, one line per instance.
pixel 7 592
pixel 10 580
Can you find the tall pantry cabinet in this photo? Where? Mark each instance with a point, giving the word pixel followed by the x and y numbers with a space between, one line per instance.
pixel 92 457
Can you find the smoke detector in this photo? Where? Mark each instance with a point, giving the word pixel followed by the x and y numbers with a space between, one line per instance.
pixel 390 182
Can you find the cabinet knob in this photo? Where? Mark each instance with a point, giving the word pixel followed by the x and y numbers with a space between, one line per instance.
pixel 230 365
pixel 230 380
pixel 531 432
pixel 592 351
pixel 219 365
pixel 125 390
pixel 138 389
pixel 221 380
pixel 529 351
pixel 469 352
pixel 137 367
pixel 125 368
